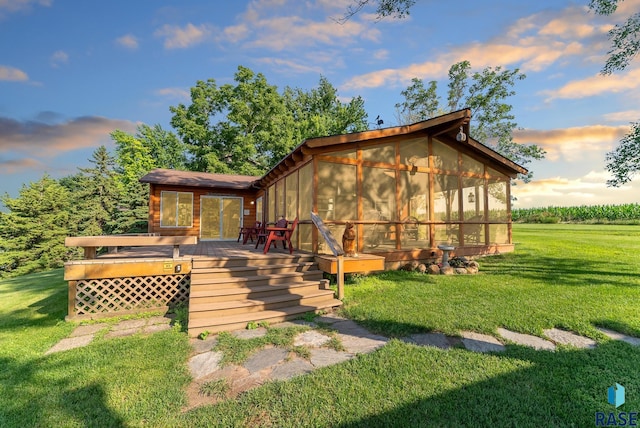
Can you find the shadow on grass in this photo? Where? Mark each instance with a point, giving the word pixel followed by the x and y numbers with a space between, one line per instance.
pixel 43 392
pixel 561 270
pixel 563 388
pixel 52 289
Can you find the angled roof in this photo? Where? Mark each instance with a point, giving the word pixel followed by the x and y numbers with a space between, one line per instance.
pixel 444 127
pixel 199 179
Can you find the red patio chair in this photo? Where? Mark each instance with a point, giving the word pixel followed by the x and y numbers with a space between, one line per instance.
pixel 249 232
pixel 277 234
pixel 263 233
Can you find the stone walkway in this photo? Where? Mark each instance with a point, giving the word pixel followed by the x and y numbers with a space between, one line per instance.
pixel 272 363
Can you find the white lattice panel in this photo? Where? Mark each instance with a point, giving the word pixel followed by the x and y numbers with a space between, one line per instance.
pixel 130 293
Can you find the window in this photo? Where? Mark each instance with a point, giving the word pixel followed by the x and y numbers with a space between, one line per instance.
pixel 176 209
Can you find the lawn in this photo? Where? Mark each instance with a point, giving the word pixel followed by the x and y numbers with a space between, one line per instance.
pixel 571 276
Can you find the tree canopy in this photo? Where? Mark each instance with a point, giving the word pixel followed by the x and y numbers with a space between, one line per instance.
pixel 623 162
pixel 247 127
pixel 485 93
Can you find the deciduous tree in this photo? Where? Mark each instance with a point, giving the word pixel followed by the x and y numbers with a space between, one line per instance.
pixel 247 127
pixel 485 93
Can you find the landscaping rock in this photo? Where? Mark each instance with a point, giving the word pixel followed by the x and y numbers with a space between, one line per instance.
pixel 422 268
pixel 461 271
pixel 472 270
pixel 447 270
pixel 433 270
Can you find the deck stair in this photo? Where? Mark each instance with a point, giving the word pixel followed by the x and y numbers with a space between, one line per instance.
pixel 228 293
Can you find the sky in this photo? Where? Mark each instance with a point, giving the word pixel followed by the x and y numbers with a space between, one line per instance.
pixel 72 72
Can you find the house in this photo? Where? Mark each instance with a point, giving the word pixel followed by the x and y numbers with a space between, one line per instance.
pixel 407 189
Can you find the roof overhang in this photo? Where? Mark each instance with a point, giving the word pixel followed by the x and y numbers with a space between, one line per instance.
pixel 172 177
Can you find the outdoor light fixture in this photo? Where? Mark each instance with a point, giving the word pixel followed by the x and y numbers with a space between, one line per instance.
pixel 461 135
pixel 472 197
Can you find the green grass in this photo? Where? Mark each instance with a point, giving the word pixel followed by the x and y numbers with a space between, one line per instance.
pixel 571 276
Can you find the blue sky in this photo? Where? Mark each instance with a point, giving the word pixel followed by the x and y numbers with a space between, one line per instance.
pixel 71 72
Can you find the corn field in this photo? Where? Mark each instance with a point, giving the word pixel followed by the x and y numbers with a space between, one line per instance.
pixel 620 214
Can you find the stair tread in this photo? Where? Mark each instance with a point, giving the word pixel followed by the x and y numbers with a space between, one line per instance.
pixel 263 315
pixel 206 307
pixel 256 289
pixel 251 267
pixel 198 281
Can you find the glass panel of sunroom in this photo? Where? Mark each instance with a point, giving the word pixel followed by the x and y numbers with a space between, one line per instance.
pixel 445 198
pixel 473 199
pixel 415 152
pixel 497 191
pixel 444 157
pixel 337 191
pixel 292 196
pixel 305 195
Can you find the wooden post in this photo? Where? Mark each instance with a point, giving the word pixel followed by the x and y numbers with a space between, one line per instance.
pixel 340 276
pixel 176 251
pixel 71 304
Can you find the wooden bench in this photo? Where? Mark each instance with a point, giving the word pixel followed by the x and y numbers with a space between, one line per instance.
pixel 91 243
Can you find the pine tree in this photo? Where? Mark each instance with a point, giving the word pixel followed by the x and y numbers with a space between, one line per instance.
pixel 32 232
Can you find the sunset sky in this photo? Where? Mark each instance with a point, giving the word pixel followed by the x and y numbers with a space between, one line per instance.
pixel 71 72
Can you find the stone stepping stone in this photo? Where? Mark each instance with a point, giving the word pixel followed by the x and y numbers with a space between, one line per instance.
pixel 199 346
pixel 70 343
pixel 311 338
pixel 83 330
pixel 122 333
pixel 437 340
pixel 477 342
pixel 635 341
pixel 323 357
pixel 291 369
pixel 129 324
pixel 204 364
pixel 356 339
pixel 527 340
pixel 264 359
pixel 567 338
pixel 250 334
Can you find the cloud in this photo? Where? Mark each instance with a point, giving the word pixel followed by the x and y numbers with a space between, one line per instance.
pixel 596 85
pixel 183 37
pixel 288 66
pixel 18 5
pixel 128 41
pixel 533 44
pixel 47 140
pixel 174 93
pixel 623 116
pixel 58 58
pixel 278 25
pixel 12 74
pixel 590 189
pixel 573 143
pixel 14 166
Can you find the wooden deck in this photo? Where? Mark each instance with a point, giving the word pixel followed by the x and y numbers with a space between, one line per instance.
pixel 226 284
